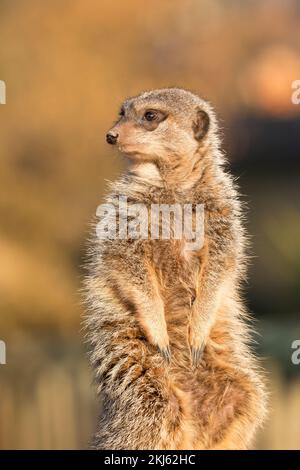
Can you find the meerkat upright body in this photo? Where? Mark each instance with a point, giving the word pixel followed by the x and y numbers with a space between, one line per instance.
pixel 167 326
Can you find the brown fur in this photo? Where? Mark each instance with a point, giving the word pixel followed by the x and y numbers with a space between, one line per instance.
pixel 168 329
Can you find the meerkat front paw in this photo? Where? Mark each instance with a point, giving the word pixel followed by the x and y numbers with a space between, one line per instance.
pixel 155 329
pixel 197 346
pixel 166 353
pixel 161 342
pixel 196 354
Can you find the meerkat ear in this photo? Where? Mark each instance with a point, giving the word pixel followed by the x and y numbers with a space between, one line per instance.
pixel 200 124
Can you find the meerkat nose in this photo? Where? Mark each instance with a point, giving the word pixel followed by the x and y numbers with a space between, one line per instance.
pixel 111 138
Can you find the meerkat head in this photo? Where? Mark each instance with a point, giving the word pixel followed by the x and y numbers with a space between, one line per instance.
pixel 162 126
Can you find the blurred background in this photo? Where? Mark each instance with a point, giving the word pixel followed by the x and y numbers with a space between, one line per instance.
pixel 67 65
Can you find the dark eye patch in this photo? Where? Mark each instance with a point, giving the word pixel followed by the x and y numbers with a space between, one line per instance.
pixel 152 118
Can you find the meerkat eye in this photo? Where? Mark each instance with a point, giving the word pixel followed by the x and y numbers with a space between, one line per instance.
pixel 150 116
pixel 122 112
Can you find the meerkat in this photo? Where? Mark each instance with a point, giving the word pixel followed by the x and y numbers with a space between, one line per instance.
pixel 169 335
